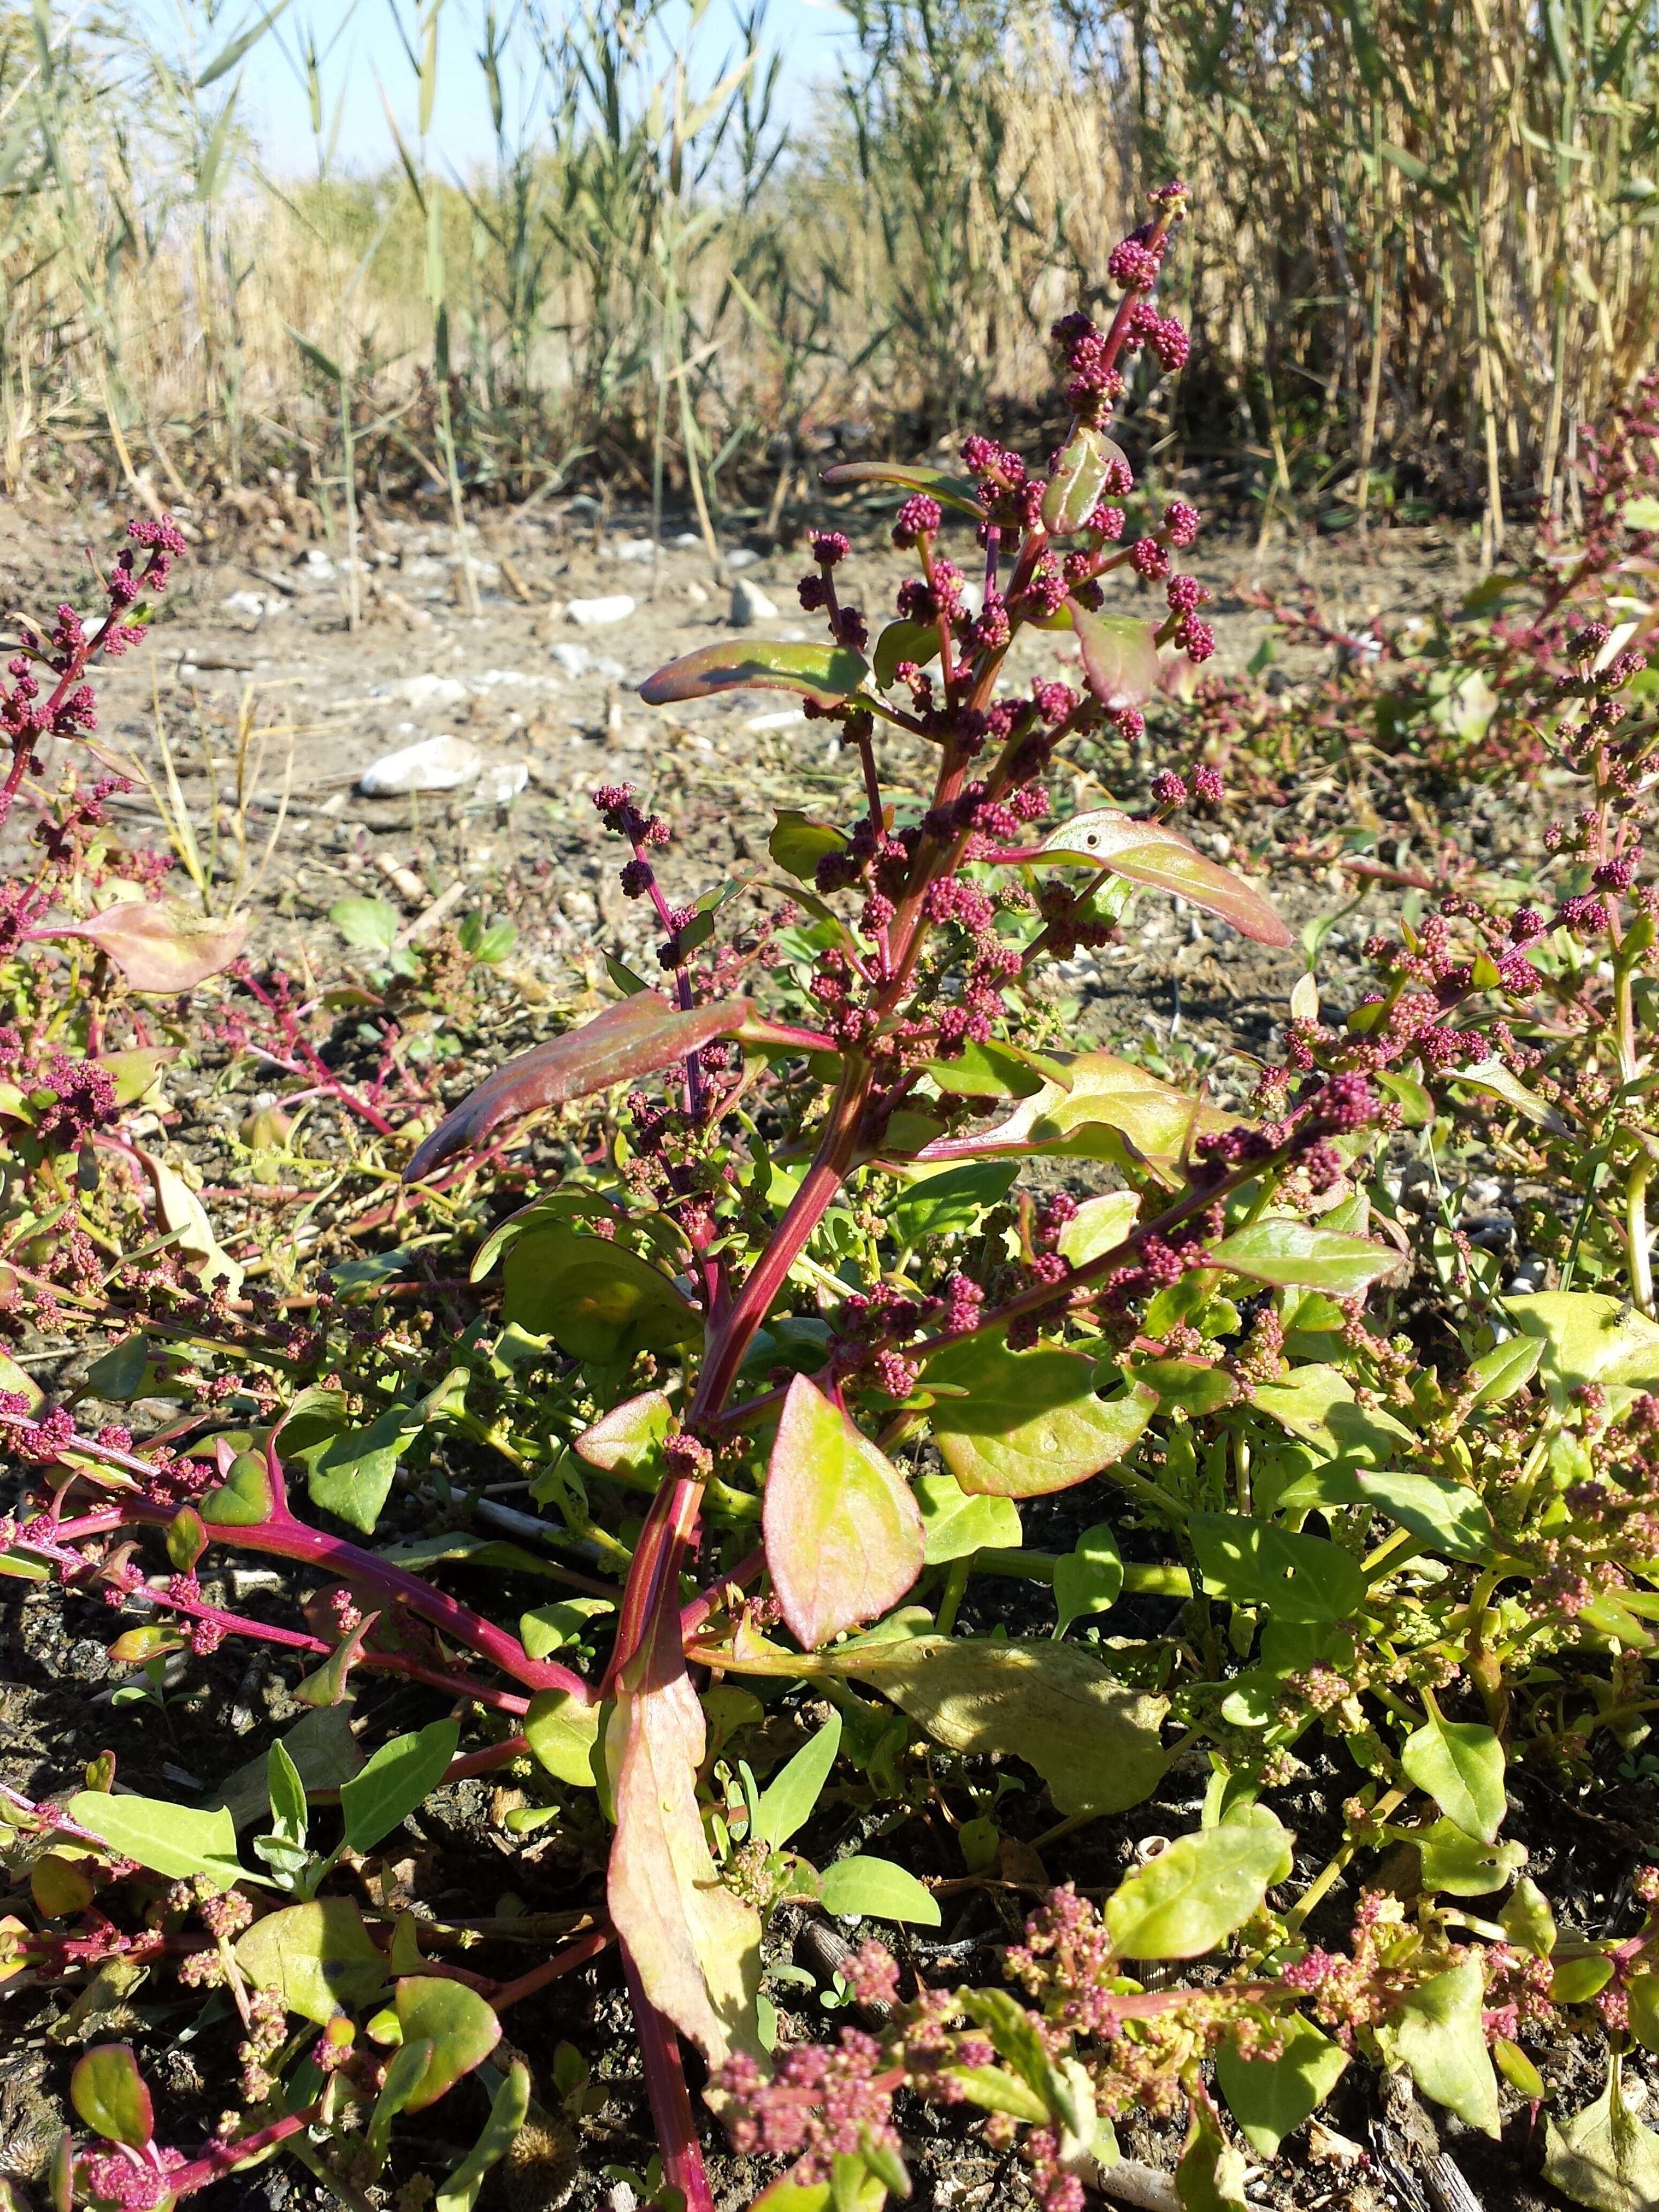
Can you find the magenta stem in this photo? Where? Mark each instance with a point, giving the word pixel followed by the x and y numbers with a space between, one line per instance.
pixel 670 2101
pixel 284 1537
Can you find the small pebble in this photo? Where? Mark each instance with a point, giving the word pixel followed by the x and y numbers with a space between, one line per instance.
pixel 440 763
pixel 749 605
pixel 594 614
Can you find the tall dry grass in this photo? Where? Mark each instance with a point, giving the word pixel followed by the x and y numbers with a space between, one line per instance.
pixel 1422 258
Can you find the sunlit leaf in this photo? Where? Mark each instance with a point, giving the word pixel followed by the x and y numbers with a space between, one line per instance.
pixel 904 641
pixel 1494 1077
pixel 787 1799
pixel 1100 1225
pixel 843 1533
pixel 460 2027
pixel 1589 1337
pixel 630 1437
pixel 1460 1764
pixel 1603 2157
pixel 1269 2097
pixel 175 1841
pixel 1154 855
pixel 1302 1254
pixel 1096 1743
pixel 1109 1103
pixel 1031 1422
pixel 319 1957
pixel 1089 1578
pixel 1191 1897
pixel 628 1039
pixel 798 842
pixel 823 673
pixel 563 1732
pixel 694 1943
pixel 1437 2034
pixel 1499 1373
pixel 1463 1865
pixel 108 2093
pixel 877 1887
pixel 400 1778
pixel 1527 1919
pixel 158 948
pixel 350 1472
pixel 990 1069
pixel 1317 1404
pixel 508 2111
pixel 1119 658
pixel 243 1499
pixel 955 1524
pixel 1078 479
pixel 1446 1516
pixel 1256 1563
pixel 950 1202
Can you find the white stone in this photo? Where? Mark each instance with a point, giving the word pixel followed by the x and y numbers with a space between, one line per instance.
pixel 785 718
pixel 973 598
pixel 745 557
pixel 319 564
pixel 635 549
pixel 749 605
pixel 254 604
pixel 503 781
pixel 427 691
pixel 687 537
pixel 574 660
pixel 594 614
pixel 440 763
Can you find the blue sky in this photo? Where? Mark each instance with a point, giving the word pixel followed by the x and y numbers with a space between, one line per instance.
pixel 366 55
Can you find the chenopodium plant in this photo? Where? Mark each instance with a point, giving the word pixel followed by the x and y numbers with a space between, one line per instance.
pixel 803 1308
pixel 858 1284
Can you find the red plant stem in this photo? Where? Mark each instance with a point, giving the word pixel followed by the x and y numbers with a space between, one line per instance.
pixel 562 1962
pixel 653 1575
pixel 284 1537
pixel 818 1188
pixel 485 1761
pixel 220 2159
pixel 670 2101
pixel 749 1568
pixel 318 1068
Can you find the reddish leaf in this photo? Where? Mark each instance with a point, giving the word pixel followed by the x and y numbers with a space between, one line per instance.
pixel 629 1437
pixel 158 948
pixel 694 1943
pixel 823 673
pixel 642 1034
pixel 1152 853
pixel 1078 479
pixel 910 476
pixel 844 1539
pixel 1119 657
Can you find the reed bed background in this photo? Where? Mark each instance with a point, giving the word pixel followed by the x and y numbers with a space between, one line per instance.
pixel 1422 261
